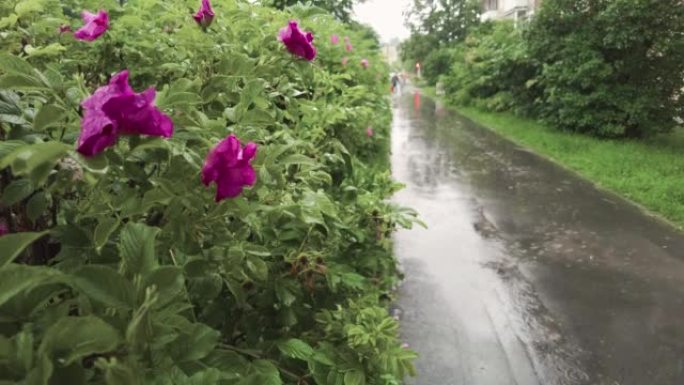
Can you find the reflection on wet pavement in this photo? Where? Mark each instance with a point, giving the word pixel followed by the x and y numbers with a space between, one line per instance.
pixel 527 274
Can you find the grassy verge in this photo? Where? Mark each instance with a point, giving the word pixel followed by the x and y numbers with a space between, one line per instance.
pixel 649 172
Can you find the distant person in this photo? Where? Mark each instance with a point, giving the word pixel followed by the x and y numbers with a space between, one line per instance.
pixel 395 82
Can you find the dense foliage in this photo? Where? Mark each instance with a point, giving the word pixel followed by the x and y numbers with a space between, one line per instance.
pixel 435 27
pixel 121 268
pixel 610 68
pixel 341 9
pixel 607 68
pixel 491 70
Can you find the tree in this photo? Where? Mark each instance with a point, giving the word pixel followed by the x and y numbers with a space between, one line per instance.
pixel 610 68
pixel 436 25
pixel 444 21
pixel 341 9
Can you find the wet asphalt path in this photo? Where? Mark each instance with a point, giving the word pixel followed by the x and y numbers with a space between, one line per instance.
pixel 527 275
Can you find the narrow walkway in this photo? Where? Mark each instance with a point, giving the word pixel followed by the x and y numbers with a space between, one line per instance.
pixel 527 275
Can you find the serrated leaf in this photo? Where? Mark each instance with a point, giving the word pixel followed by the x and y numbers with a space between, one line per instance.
pixel 48 115
pixel 354 377
pixel 169 282
pixel 195 343
pixel 299 159
pixel 21 82
pixel 48 50
pixel 296 348
pixel 17 191
pixel 105 227
pixel 36 206
pixel 136 246
pixel 26 7
pixel 72 338
pixel 178 99
pixel 8 21
pixel 105 285
pixel 16 278
pixel 258 268
pixel 12 64
pixel 11 245
pixel 25 159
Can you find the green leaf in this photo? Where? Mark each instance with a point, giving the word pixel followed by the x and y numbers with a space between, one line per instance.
pixel 36 206
pixel 21 82
pixel 26 7
pixel 16 278
pixel 264 373
pixel 11 245
pixel 48 115
pixel 105 285
pixel 105 227
pixel 13 64
pixel 169 282
pixel 175 99
pixel 258 268
pixel 296 348
pixel 136 246
pixel 8 21
pixel 299 159
pixel 17 191
pixel 118 373
pixel 49 50
pixel 195 343
pixel 26 158
pixel 354 377
pixel 72 338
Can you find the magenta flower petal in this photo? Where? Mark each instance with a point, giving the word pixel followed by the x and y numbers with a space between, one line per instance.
pixel 365 63
pixel 205 15
pixel 94 25
pixel 297 42
pixel 334 39
pixel 369 132
pixel 228 165
pixel 137 114
pixel 114 110
pixel 97 133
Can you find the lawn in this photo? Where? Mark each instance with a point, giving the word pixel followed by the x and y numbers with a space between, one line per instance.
pixel 649 172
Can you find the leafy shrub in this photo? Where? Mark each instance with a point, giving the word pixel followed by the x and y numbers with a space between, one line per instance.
pixel 437 63
pixel 491 69
pixel 610 68
pixel 121 269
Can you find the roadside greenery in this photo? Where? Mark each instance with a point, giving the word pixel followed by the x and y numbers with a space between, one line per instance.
pixel 611 69
pixel 246 243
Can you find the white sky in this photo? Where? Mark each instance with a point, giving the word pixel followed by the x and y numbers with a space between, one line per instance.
pixel 385 16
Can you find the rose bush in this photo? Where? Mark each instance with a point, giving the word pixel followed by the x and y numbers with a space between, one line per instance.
pixel 117 264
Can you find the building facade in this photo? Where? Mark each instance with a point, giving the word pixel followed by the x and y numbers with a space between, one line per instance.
pixel 509 9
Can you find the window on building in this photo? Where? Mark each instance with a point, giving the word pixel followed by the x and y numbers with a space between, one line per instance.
pixel 491 5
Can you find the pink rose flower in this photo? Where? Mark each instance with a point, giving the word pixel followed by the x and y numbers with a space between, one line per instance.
pixel 94 25
pixel 228 165
pixel 114 110
pixel 297 42
pixel 205 15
